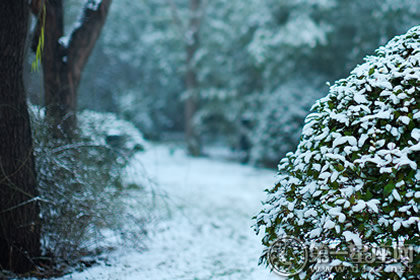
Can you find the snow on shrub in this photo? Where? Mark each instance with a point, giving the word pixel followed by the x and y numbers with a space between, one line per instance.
pixel 106 128
pixel 83 189
pixel 354 178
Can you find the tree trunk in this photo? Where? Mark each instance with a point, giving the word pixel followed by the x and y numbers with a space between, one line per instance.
pixel 192 45
pixel 64 59
pixel 59 95
pixel 19 211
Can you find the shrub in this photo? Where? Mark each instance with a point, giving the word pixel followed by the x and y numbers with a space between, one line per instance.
pixel 81 184
pixel 354 178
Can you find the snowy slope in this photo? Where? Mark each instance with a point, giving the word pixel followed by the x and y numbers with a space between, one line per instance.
pixel 207 234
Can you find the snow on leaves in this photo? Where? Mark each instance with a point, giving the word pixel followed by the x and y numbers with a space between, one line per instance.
pixel 354 176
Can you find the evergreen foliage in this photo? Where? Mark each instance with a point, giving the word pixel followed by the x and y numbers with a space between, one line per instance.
pixel 354 178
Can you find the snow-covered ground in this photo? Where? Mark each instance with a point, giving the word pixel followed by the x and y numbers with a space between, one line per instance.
pixel 207 234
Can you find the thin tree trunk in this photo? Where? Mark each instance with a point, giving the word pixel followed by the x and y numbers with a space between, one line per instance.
pixel 192 45
pixel 64 59
pixel 19 211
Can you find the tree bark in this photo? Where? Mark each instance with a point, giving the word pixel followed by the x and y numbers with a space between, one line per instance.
pixel 19 211
pixel 64 59
pixel 192 85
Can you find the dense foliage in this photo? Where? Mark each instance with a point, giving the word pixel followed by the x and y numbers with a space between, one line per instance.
pixel 249 53
pixel 354 178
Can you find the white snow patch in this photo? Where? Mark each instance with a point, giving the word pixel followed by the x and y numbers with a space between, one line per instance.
pixel 350 236
pixel 207 234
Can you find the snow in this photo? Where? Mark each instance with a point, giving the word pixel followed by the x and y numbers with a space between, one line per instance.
pixel 416 134
pixel 372 204
pixel 329 224
pixel 310 212
pixel 64 41
pixel 93 4
pixel 315 232
pixel 350 236
pixel 110 125
pixel 396 195
pixel 359 206
pixel 207 233
pixel 396 226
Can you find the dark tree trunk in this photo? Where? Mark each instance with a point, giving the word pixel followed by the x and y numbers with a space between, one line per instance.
pixel 192 45
pixel 64 59
pixel 19 211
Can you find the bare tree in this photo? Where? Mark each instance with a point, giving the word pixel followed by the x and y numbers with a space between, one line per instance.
pixel 192 45
pixel 19 211
pixel 190 33
pixel 65 57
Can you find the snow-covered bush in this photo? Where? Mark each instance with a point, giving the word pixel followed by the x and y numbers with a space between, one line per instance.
pixel 107 129
pixel 81 183
pixel 354 178
pixel 277 127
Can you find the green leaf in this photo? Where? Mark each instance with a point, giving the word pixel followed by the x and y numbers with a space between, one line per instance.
pixel 339 167
pixel 371 71
pixel 388 188
pixel 368 195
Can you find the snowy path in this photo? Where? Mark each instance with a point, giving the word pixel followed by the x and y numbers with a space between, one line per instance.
pixel 207 235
